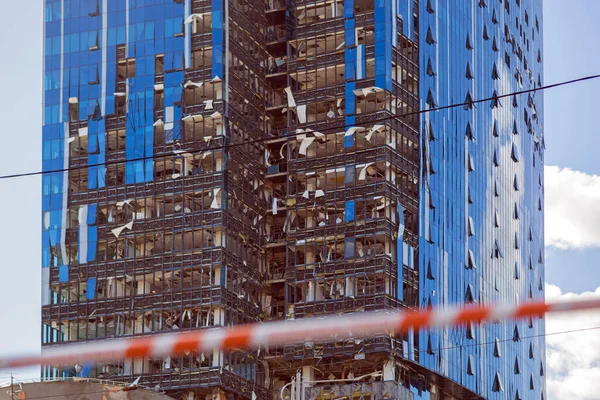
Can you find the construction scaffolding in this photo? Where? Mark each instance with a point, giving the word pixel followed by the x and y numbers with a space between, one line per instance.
pixel 282 184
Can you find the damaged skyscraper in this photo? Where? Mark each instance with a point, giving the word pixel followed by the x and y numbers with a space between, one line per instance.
pixel 218 162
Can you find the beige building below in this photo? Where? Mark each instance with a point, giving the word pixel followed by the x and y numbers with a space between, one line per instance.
pixel 77 389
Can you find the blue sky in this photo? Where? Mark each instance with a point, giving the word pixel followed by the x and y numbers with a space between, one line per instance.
pixel 571 33
pixel 20 203
pixel 572 136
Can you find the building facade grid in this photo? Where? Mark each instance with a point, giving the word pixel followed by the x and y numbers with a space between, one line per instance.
pixel 211 163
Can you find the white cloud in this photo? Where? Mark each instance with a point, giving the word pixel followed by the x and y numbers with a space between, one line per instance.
pixel 572 359
pixel 572 201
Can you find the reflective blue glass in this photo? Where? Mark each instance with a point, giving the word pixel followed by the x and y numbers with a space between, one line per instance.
pixel 476 48
pixel 91 289
pixel 124 64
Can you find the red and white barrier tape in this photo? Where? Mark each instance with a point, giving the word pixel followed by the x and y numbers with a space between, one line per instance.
pixel 286 332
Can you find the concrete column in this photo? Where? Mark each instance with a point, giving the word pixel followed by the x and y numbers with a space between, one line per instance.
pixel 219 316
pixel 217 275
pixel 310 293
pixel 309 256
pixel 143 287
pixel 218 239
pixel 310 220
pixel 389 370
pixel 349 290
pixel 319 295
pixel 141 365
pixel 219 320
pixel 308 374
pixel 388 285
pixel 116 288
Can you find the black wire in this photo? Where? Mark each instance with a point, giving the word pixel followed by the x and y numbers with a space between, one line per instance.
pixel 524 337
pixel 428 110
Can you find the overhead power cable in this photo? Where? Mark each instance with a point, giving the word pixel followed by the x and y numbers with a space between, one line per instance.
pixel 522 338
pixel 247 142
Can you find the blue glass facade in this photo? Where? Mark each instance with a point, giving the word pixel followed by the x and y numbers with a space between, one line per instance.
pixel 81 40
pixel 211 162
pixel 80 78
pixel 481 222
pixel 138 235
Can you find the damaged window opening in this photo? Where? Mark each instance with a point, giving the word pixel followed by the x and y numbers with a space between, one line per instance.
pixel 244 162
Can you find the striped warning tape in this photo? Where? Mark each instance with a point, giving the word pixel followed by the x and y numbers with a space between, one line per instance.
pixel 285 332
